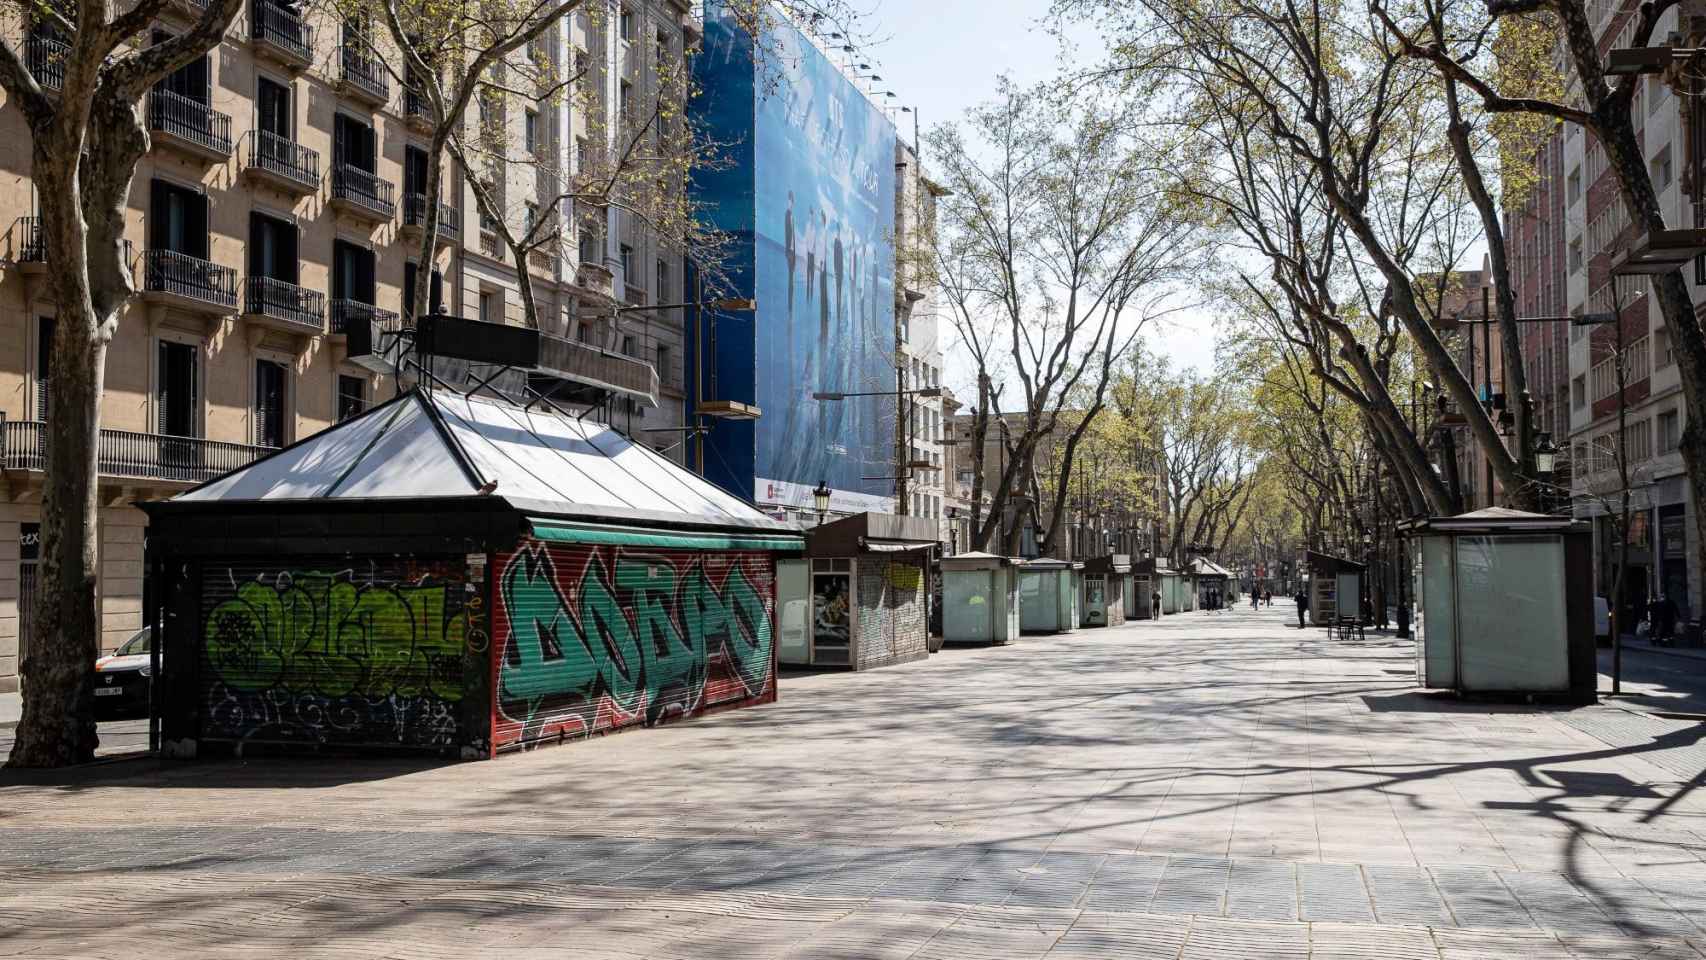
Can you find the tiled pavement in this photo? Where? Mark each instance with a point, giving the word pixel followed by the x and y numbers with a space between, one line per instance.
pixel 1204 787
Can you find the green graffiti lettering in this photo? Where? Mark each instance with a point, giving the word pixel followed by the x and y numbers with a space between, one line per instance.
pixel 316 633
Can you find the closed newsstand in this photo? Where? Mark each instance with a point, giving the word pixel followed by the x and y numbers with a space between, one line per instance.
pixel 458 575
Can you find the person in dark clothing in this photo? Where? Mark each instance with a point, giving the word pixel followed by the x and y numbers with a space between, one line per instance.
pixel 1661 619
pixel 1302 599
pixel 1155 598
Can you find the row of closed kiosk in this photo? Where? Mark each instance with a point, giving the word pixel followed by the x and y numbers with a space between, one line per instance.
pixel 991 599
pixel 860 596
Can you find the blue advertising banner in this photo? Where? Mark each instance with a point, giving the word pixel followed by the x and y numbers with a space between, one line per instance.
pixel 810 196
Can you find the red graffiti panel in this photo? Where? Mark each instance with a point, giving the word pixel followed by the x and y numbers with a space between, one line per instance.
pixel 590 639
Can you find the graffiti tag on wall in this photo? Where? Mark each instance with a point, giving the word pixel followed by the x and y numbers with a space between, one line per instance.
pixel 594 638
pixel 369 657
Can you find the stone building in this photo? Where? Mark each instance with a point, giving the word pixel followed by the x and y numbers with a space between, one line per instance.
pixel 280 203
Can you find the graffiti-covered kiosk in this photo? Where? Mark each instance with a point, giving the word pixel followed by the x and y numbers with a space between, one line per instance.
pixel 461 575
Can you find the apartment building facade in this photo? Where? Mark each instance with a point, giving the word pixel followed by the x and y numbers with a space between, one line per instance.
pixel 1634 351
pixel 918 342
pixel 610 282
pixel 282 202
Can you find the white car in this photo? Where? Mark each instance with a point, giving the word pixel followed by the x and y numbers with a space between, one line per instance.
pixel 123 677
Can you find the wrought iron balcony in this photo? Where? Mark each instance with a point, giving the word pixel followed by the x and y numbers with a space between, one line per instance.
pixel 346 313
pixel 281 33
pixel 359 192
pixel 415 215
pixel 28 245
pixel 122 453
pixel 297 309
pixel 189 281
pixel 46 60
pixel 416 110
pixel 283 162
pixel 189 124
pixel 364 76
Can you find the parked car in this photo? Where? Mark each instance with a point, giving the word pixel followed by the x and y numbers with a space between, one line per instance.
pixel 122 679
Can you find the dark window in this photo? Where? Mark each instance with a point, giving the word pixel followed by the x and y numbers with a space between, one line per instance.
pixel 352 272
pixel 589 247
pixel 435 291
pixel 414 170
pixel 352 396
pixel 272 248
pixel 532 131
pixel 354 143
pixel 44 363
pixel 269 403
pixel 175 390
pixel 192 80
pixel 272 108
pixel 178 219
pixel 628 345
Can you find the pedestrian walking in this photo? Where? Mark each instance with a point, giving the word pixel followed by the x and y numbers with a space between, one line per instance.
pixel 1255 599
pixel 1302 599
pixel 1155 604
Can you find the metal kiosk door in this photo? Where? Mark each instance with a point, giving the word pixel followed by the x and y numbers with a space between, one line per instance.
pixel 793 603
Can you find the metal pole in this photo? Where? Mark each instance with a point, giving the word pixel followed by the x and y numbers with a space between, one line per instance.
pixel 902 438
pixel 1487 375
pixel 699 368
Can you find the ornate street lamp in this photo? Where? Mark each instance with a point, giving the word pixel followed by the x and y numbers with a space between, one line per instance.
pixel 820 498
pixel 1545 454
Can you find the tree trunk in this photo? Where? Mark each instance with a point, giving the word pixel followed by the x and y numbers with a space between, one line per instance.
pixel 57 726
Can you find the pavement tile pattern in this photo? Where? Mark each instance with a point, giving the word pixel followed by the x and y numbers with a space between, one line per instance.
pixel 1209 786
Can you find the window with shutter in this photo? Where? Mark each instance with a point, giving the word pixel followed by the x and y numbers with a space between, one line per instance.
pixel 269 404
pixel 175 390
pixel 177 219
pixel 352 396
pixel 44 363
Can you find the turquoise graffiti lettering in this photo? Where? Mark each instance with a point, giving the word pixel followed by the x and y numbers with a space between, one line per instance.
pixel 642 640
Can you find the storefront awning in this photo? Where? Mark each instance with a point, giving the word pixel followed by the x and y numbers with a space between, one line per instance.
pixel 603 534
pixel 887 546
pixel 871 533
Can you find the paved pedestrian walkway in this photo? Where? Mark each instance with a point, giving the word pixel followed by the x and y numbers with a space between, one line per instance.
pixel 1206 786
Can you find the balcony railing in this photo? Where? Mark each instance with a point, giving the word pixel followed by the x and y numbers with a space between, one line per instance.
pixel 346 313
pixel 46 57
pixel 29 246
pixel 365 74
pixel 415 215
pixel 282 157
pixel 168 271
pixel 415 107
pixel 122 453
pixel 284 31
pixel 363 189
pixel 280 300
pixel 189 120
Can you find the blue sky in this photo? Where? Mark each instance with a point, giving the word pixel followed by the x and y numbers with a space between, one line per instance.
pixel 943 56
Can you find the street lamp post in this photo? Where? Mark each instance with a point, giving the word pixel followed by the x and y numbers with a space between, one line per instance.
pixel 903 441
pixel 820 500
